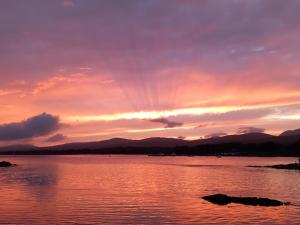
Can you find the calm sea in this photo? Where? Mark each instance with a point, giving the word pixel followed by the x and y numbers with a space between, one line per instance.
pixel 143 190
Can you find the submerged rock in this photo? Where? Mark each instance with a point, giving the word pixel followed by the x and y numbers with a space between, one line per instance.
pixel 6 164
pixel 221 199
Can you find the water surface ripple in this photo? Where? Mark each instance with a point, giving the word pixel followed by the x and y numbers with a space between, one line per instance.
pixel 143 190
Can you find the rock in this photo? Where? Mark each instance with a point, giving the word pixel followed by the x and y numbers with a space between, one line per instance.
pixel 221 199
pixel 292 166
pixel 6 164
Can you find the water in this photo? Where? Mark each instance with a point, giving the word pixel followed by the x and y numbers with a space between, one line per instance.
pixel 143 190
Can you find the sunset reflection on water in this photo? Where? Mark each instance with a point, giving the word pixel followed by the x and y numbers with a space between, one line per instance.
pixel 143 190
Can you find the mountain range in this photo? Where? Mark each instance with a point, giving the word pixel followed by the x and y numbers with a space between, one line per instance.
pixel 286 138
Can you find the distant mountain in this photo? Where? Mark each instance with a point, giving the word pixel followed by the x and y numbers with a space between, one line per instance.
pixel 240 138
pixel 120 142
pixel 117 145
pixel 252 138
pixel 290 132
pixel 19 148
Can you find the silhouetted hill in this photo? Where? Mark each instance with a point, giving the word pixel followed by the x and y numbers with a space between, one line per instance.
pixel 18 148
pixel 290 132
pixel 120 142
pixel 239 138
pixel 251 138
pixel 242 144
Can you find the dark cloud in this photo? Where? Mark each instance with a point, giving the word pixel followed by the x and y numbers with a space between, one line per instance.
pixel 181 137
pixel 203 125
pixel 247 130
pixel 214 135
pixel 57 138
pixel 36 126
pixel 166 122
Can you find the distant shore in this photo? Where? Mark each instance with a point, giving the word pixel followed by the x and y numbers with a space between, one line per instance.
pixel 215 151
pixel 252 144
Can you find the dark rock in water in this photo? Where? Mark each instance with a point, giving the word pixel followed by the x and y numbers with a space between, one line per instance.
pixel 293 166
pixel 5 164
pixel 221 199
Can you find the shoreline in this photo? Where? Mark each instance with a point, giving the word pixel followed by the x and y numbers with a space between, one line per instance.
pixel 136 154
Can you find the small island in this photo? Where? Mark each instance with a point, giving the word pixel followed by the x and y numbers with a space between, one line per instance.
pixel 221 199
pixel 6 164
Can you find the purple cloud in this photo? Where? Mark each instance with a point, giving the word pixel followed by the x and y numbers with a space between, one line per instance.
pixel 36 126
pixel 166 122
pixel 247 130
pixel 57 138
pixel 215 135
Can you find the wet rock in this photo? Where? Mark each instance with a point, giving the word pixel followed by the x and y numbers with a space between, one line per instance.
pixel 292 166
pixel 6 164
pixel 221 199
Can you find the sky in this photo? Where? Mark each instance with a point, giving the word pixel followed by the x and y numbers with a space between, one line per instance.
pixel 87 70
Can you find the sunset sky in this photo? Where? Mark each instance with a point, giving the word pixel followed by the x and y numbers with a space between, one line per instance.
pixel 87 70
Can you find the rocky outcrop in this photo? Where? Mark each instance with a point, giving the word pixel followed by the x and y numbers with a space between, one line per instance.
pixel 292 166
pixel 6 164
pixel 221 199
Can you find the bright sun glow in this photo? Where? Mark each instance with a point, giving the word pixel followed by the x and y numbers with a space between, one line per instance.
pixel 154 114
